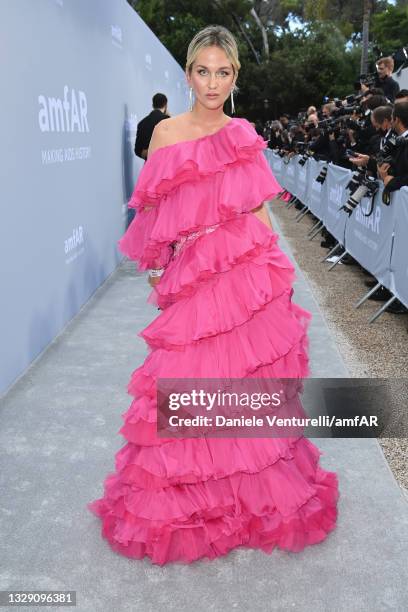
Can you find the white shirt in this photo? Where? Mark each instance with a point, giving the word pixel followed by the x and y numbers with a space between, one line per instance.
pixel 384 138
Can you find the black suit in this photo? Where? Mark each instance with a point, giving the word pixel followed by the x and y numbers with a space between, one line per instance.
pixel 145 129
pixel 389 86
pixel 377 144
pixel 399 168
pixel 321 147
pixel 366 137
pixel 275 141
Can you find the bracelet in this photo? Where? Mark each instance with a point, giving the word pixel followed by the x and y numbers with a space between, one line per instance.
pixel 156 272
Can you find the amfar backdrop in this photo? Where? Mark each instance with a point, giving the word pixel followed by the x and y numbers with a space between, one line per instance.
pixel 402 77
pixel 77 76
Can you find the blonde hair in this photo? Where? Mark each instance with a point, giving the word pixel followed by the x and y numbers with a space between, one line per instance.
pixel 213 35
pixel 388 62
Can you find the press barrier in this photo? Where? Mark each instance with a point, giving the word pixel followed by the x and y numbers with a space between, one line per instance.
pixel 377 241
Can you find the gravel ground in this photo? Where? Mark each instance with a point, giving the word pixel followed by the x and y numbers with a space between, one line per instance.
pixel 377 350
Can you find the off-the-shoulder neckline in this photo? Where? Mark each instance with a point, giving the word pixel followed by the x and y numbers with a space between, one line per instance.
pixel 183 142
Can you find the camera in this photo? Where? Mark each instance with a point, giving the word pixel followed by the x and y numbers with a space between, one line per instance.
pixel 326 124
pixel 322 176
pixel 361 185
pixel 356 179
pixel 386 154
pixel 354 124
pixel 354 99
pixel 302 149
pixel 369 79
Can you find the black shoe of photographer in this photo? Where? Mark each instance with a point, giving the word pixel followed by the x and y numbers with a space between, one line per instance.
pixel 327 244
pixel 371 283
pixel 348 260
pixel 381 295
pixel 396 308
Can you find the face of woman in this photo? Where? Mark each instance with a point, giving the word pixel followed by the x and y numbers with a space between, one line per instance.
pixel 212 77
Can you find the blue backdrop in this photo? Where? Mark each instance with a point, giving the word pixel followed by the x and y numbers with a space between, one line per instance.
pixel 77 76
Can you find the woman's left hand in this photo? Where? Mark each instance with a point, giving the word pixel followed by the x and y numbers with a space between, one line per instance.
pixel 153 280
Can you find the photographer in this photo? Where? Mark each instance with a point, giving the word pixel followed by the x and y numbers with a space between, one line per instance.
pixel 402 96
pixel 312 118
pixel 284 121
pixel 367 136
pixel 295 135
pixel 390 87
pixel 381 119
pixel 321 146
pixel 395 174
pixel 353 130
pixel 276 140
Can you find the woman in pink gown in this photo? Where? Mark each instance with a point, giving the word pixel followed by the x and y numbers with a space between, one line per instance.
pixel 225 296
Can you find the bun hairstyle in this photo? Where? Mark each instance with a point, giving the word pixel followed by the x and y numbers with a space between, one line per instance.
pixel 213 36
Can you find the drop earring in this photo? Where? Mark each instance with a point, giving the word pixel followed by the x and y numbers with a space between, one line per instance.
pixel 191 98
pixel 232 102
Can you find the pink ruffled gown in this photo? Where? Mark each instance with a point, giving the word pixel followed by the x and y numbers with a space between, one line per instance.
pixel 226 312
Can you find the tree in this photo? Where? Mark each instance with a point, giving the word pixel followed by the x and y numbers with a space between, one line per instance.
pixel 365 35
pixel 279 67
pixel 176 21
pixel 303 66
pixel 348 15
pixel 390 28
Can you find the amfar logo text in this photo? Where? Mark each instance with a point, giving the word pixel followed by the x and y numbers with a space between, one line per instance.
pixel 67 115
pixel 75 240
pixel 372 221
